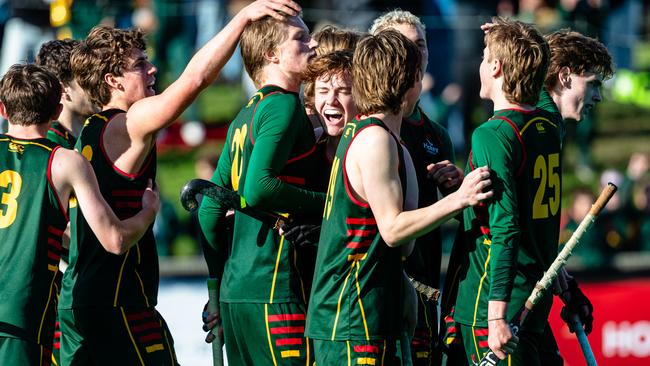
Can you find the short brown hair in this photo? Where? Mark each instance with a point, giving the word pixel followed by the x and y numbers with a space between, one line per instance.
pixel 55 56
pixel 105 51
pixel 331 38
pixel 524 56
pixel 384 67
pixel 260 36
pixel 327 65
pixel 581 54
pixel 30 94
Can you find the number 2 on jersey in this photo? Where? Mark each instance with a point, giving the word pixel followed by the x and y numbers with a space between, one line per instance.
pixel 237 149
pixel 546 172
pixel 13 179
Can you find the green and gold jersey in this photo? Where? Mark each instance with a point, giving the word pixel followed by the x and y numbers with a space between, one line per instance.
pixel 32 221
pixel 270 148
pixel 428 143
pixel 96 277
pixel 61 135
pixel 356 292
pixel 512 238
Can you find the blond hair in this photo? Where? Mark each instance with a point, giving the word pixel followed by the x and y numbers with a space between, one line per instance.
pixel 524 56
pixel 394 18
pixel 261 36
pixel 384 67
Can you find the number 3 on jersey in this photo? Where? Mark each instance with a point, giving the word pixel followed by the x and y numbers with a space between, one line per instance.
pixel 546 171
pixel 12 182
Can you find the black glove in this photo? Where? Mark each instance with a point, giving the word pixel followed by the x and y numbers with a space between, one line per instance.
pixel 575 302
pixel 302 235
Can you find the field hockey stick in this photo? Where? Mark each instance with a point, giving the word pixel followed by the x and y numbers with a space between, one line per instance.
pixel 551 274
pixel 228 198
pixel 587 352
pixel 213 306
pixel 430 293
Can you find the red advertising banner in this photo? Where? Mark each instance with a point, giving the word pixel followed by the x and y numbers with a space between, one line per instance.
pixel 621 332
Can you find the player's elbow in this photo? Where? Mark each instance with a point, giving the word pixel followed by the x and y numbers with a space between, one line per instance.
pixel 391 238
pixel 115 243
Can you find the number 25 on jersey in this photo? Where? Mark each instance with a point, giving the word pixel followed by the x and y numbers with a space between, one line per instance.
pixel 546 170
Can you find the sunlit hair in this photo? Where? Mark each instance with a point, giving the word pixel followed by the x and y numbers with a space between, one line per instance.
pixel 325 66
pixel 394 18
pixel 259 37
pixel 55 57
pixel 30 94
pixel 581 54
pixel 106 50
pixel 524 56
pixel 331 38
pixel 384 67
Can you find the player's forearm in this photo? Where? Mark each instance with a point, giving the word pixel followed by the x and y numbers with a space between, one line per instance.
pixel 497 310
pixel 503 263
pixel 409 225
pixel 208 61
pixel 270 193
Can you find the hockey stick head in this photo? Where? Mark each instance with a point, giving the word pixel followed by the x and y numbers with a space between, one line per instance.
pixel 191 189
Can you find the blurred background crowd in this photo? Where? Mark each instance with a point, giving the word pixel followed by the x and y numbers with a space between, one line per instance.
pixel 611 145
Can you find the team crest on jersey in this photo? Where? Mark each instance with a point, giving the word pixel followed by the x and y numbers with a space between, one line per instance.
pixel 540 127
pixel 17 148
pixel 430 148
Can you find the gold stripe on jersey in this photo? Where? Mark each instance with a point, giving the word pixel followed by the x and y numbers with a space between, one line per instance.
pixel 338 305
pixel 26 143
pixel 536 119
pixel 275 270
pixel 128 330
pixel 366 361
pixel 154 348
pixel 363 312
pixel 347 343
pixel 290 353
pixel 480 285
pixel 144 295
pixel 268 333
pixel 49 297
pixel 307 348
pixel 119 277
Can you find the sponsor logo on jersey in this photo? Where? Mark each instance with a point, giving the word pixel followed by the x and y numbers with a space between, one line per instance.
pixel 430 148
pixel 17 148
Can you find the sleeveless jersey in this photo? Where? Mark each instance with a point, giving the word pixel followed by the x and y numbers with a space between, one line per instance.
pixel 357 286
pixel 32 221
pixel 96 277
pixel 61 135
pixel 513 238
pixel 262 266
pixel 428 143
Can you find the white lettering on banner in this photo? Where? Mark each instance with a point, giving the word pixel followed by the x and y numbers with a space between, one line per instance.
pixel 626 339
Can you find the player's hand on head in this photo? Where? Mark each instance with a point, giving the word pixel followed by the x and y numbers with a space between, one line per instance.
pixel 475 187
pixel 151 197
pixel 445 175
pixel 500 338
pixel 486 27
pixel 211 320
pixel 278 9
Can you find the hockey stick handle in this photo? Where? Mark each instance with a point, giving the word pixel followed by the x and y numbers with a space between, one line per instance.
pixel 490 359
pixel 588 354
pixel 565 253
pixel 213 306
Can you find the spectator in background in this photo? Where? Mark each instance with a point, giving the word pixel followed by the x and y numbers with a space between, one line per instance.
pixel 589 254
pixel 27 28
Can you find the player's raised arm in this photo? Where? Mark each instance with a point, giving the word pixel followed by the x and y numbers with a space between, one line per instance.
pixel 72 172
pixel 150 115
